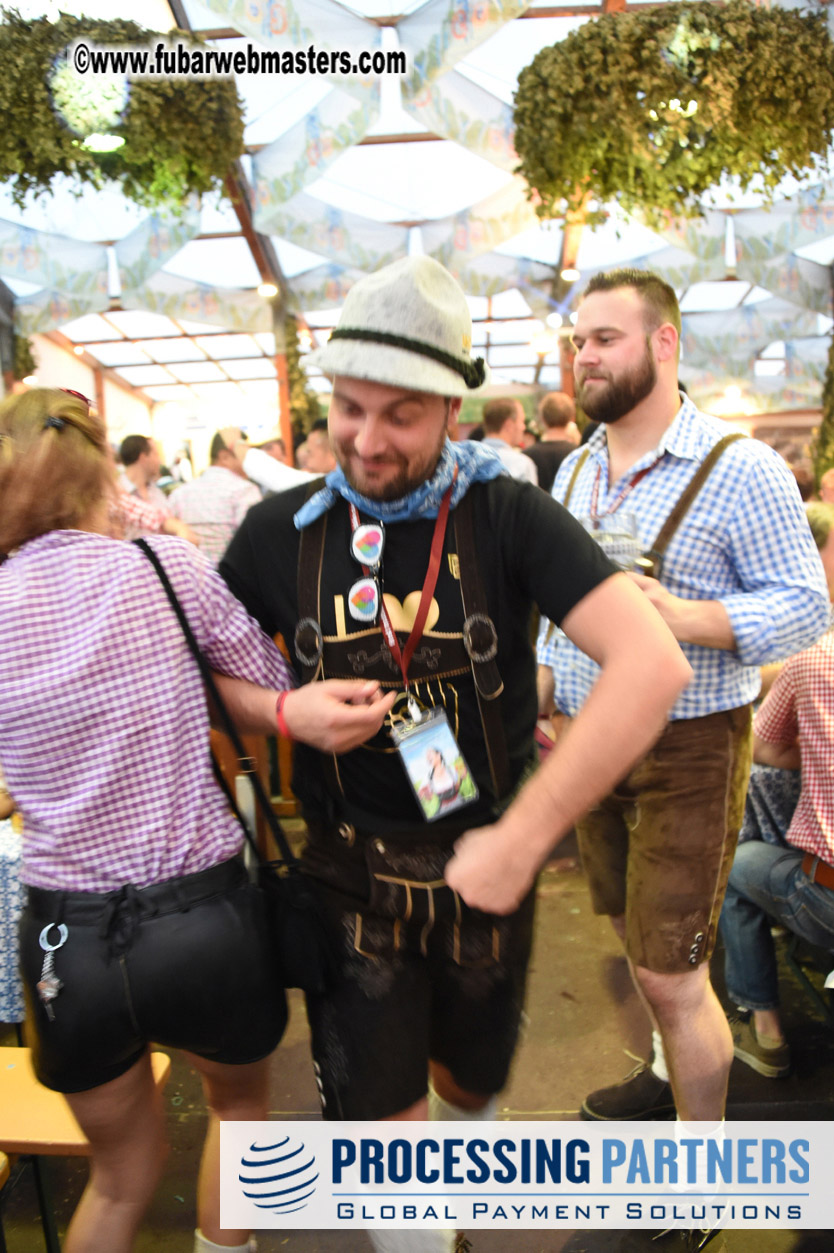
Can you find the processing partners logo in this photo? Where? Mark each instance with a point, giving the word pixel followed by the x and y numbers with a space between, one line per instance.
pixel 280 1176
pixel 559 1176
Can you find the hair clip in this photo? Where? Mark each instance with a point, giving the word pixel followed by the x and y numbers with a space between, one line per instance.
pixel 78 395
pixel 57 423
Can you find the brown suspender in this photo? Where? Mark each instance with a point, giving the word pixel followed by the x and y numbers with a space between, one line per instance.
pixel 580 461
pixel 657 551
pixel 652 561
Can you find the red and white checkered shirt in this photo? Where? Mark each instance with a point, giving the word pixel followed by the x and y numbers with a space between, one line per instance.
pixel 133 517
pixel 104 732
pixel 801 705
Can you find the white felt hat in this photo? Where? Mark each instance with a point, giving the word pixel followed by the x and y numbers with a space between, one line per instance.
pixel 407 325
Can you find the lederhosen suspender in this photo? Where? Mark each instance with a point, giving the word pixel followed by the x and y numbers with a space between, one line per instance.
pixel 479 648
pixel 481 643
pixel 653 559
pixel 657 551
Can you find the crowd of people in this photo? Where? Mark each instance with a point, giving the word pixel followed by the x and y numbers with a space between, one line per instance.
pixel 402 569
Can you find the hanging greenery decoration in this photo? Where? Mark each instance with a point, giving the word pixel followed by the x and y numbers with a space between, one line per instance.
pixel 304 405
pixel 168 137
pixel 24 361
pixel 651 108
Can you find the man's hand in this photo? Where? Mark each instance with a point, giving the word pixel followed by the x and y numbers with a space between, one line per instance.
pixel 235 441
pixel 491 869
pixel 704 622
pixel 784 756
pixel 337 714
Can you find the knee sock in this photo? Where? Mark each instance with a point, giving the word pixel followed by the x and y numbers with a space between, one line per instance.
pixel 203 1245
pixel 432 1241
pixel 442 1111
pixel 658 1062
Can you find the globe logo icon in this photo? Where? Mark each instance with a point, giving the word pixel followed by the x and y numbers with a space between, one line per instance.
pixel 280 1177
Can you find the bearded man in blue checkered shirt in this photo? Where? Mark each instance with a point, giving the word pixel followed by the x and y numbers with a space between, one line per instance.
pixel 741 584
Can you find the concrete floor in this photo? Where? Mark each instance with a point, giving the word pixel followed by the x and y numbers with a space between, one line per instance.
pixel 584 1028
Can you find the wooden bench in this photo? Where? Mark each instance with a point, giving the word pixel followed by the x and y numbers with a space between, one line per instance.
pixel 38 1122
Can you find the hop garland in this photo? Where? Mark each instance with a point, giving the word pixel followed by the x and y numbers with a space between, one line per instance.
pixel 653 108
pixel 180 135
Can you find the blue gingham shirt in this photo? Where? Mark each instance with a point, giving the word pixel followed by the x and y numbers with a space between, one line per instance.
pixel 744 542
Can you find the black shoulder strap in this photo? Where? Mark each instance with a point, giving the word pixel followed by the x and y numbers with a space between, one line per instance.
pixel 287 854
pixel 481 644
pixel 309 645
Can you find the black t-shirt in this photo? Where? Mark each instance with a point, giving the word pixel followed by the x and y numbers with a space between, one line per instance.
pixel 548 456
pixel 530 551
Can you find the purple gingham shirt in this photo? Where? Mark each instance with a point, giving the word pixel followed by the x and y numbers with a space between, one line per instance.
pixel 104 728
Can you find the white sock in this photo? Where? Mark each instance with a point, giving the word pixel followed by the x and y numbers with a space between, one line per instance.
pixel 659 1057
pixel 413 1241
pixel 432 1241
pixel 202 1244
pixel 442 1111
pixel 704 1131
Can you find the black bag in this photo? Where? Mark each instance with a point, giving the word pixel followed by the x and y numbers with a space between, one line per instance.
pixel 303 944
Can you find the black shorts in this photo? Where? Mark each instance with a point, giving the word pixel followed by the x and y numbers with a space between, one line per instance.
pixel 185 964
pixel 422 977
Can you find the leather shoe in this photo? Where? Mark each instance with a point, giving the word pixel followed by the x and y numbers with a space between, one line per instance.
pixel 640 1095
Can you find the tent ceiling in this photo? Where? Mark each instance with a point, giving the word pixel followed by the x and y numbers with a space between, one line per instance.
pixel 427 170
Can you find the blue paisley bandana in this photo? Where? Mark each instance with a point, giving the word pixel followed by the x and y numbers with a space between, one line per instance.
pixel 475 465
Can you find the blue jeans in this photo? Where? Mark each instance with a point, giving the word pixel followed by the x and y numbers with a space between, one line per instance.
pixel 767 883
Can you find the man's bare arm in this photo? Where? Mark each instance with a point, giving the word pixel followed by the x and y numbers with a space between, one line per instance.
pixel 643 672
pixel 333 716
pixel 785 756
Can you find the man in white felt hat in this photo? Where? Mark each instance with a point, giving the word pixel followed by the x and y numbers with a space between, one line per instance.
pixel 418 562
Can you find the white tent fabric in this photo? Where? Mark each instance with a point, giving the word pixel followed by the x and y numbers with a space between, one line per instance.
pixel 755 282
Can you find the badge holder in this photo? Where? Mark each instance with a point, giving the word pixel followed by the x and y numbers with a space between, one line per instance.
pixel 437 771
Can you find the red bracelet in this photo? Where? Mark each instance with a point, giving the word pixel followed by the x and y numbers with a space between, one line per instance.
pixel 280 717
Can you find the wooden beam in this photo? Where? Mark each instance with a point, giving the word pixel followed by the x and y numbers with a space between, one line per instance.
pixel 260 246
pixel 406 137
pixel 98 379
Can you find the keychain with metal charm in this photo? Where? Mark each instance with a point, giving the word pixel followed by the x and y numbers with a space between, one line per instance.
pixel 364 541
pixel 49 985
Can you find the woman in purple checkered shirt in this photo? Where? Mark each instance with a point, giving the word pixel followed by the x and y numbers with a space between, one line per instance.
pixel 131 857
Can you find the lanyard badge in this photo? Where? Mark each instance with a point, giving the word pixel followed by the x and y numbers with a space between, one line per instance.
pixel 436 768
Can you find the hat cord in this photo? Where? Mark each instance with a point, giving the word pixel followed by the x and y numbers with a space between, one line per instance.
pixel 471 371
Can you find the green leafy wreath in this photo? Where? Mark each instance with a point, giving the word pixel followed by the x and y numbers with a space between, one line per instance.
pixel 652 108
pixel 180 135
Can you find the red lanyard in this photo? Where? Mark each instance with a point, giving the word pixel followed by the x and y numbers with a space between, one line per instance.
pixel 403 657
pixel 621 495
